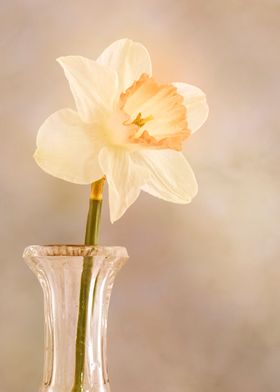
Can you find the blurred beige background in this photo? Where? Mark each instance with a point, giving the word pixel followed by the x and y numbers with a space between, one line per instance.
pixel 197 307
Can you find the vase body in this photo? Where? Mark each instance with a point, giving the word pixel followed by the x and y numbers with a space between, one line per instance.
pixel 59 270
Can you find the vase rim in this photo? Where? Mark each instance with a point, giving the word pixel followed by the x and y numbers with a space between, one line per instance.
pixel 74 250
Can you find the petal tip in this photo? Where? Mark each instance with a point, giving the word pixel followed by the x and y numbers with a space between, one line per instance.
pixel 36 156
pixel 112 220
pixel 64 59
pixel 60 59
pixel 115 216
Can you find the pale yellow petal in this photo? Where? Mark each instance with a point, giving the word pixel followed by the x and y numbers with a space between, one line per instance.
pixel 129 59
pixel 196 105
pixel 124 177
pixel 171 177
pixel 68 149
pixel 93 85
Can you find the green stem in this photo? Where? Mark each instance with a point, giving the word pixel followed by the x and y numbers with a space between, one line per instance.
pixel 93 222
pixel 91 238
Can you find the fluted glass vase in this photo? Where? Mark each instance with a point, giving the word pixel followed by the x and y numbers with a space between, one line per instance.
pixel 60 271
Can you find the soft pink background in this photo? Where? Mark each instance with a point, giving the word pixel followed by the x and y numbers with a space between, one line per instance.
pixel 197 308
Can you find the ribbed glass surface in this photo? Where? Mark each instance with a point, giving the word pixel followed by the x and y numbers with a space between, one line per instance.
pixel 59 269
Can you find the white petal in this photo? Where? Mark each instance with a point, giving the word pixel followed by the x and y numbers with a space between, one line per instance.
pixel 129 59
pixel 124 177
pixel 172 178
pixel 196 104
pixel 67 149
pixel 94 86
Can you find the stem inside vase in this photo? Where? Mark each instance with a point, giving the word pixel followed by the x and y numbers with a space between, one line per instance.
pixel 91 238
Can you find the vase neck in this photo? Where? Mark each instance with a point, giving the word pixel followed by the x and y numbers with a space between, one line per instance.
pixel 60 278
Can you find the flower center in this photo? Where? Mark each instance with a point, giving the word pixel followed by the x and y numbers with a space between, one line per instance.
pixel 160 118
pixel 148 115
pixel 140 121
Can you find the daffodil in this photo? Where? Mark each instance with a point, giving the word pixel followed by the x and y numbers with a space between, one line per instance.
pixel 127 127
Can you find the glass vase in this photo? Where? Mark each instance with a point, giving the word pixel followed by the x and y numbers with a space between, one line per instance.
pixel 60 271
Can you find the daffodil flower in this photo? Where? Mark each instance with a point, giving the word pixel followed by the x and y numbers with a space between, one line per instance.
pixel 127 126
